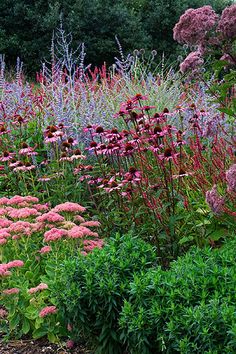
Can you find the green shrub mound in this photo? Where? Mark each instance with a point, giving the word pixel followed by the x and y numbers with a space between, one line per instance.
pixel 91 290
pixel 191 308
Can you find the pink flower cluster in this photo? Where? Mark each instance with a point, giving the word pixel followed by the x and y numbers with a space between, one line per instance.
pixel 231 179
pixel 203 28
pixel 11 291
pixel 4 267
pixel 69 207
pixel 191 62
pixel 227 23
pixel 47 311
pixel 47 223
pixel 41 286
pixel 194 25
pixel 214 200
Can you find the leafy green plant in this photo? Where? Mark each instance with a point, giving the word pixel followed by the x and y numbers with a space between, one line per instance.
pixel 91 290
pixel 188 309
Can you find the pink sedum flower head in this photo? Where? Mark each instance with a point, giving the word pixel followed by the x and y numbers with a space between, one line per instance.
pixel 191 62
pixel 69 207
pixel 14 264
pixel 47 311
pixel 194 25
pixel 50 217
pixel 227 23
pixel 231 179
pixel 11 291
pixel 45 249
pixel 41 286
pixel 54 234
pixel 23 213
pixel 214 200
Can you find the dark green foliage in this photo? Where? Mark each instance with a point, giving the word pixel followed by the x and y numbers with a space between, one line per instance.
pixel 91 290
pixel 26 26
pixel 189 308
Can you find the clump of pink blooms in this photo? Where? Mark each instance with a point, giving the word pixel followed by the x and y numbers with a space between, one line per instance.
pixel 41 286
pixel 44 231
pixel 231 179
pixel 227 23
pixel 214 200
pixel 191 62
pixel 62 221
pixel 48 310
pixel 204 29
pixel 194 25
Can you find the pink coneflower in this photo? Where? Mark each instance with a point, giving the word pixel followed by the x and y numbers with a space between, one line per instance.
pixel 26 150
pixel 69 207
pixel 54 234
pixel 41 286
pixel 6 156
pixel 47 311
pixel 14 163
pixel 45 249
pixel 23 168
pixel 11 291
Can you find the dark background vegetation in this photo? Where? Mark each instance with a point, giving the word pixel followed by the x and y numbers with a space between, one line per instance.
pixel 26 27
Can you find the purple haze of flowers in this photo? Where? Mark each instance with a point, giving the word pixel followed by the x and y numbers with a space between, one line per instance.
pixel 214 200
pixel 194 25
pixel 227 22
pixel 192 61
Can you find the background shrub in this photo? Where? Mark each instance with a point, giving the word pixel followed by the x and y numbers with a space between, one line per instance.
pixel 138 23
pixel 91 290
pixel 189 308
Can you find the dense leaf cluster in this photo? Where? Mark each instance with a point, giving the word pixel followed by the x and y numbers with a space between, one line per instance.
pixel 189 308
pixel 26 27
pixel 90 290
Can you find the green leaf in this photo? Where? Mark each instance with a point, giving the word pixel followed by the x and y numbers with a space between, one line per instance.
pixel 25 326
pixel 185 239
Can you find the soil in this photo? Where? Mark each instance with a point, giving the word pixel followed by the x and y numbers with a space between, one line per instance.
pixel 40 346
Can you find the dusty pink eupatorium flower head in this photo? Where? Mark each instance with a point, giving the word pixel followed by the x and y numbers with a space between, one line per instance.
pixel 227 22
pixel 194 25
pixel 191 62
pixel 231 179
pixel 47 311
pixel 214 200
